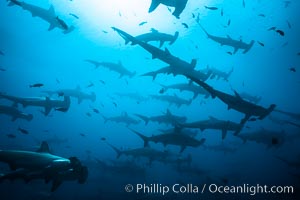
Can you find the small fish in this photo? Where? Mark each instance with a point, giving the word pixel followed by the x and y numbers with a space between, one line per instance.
pixel 88 114
pixel 286 4
pixel 169 9
pixel 2 70
pixel 57 81
pixel 185 25
pixel 222 13
pixel 193 15
pixel 280 32
pixel 120 14
pixel 1 53
pixel 228 52
pixel 101 81
pixel 96 110
pixel 61 109
pixel 228 23
pixel 162 90
pixel 289 25
pixel 273 28
pixel 142 23
pixel 24 131
pixel 244 4
pixel 46 131
pixel 104 31
pixel 253 119
pixel 62 23
pixel 262 15
pixel 82 134
pixel 103 138
pixel 11 135
pixel 73 15
pixel 38 85
pixel 298 54
pixel 261 44
pixel 211 8
pixel 293 69
pixel 90 85
pixel 116 105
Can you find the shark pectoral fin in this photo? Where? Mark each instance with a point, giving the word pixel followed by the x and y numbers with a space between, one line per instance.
pixel 47 110
pixel 14 118
pixel 51 10
pixel 161 43
pixel 153 5
pixel 182 149
pixel 224 133
pixel 235 50
pixel 51 27
pixel 56 183
pixel 12 166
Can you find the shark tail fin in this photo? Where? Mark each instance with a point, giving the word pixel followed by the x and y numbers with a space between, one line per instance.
pixel 118 151
pixel 144 118
pixel 146 139
pixel 174 38
pixel 153 5
pixel 229 74
pixel 249 46
pixel 105 118
pixel 44 148
pixel 208 35
pixel 14 2
pixel 268 111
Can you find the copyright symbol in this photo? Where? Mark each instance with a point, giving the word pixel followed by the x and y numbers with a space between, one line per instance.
pixel 129 188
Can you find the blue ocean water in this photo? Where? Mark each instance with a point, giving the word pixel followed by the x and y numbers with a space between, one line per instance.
pixel 31 54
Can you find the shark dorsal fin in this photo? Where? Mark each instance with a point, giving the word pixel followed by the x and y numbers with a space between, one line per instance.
pixel 51 10
pixel 44 148
pixel 194 63
pixel 168 113
pixel 237 94
pixel 212 118
pixel 229 37
pixel 167 51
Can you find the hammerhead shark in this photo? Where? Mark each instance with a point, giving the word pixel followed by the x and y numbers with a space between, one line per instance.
pixel 47 15
pixel 15 113
pixel 76 93
pixel 117 67
pixel 167 118
pixel 45 102
pixel 178 139
pixel 30 165
pixel 124 118
pixel 228 41
pixel 195 89
pixel 154 35
pixel 172 99
pixel 214 123
pixel 178 4
pixel 146 152
pixel 176 65
pixel 236 102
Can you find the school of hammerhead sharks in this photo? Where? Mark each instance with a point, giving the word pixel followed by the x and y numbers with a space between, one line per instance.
pixel 42 164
